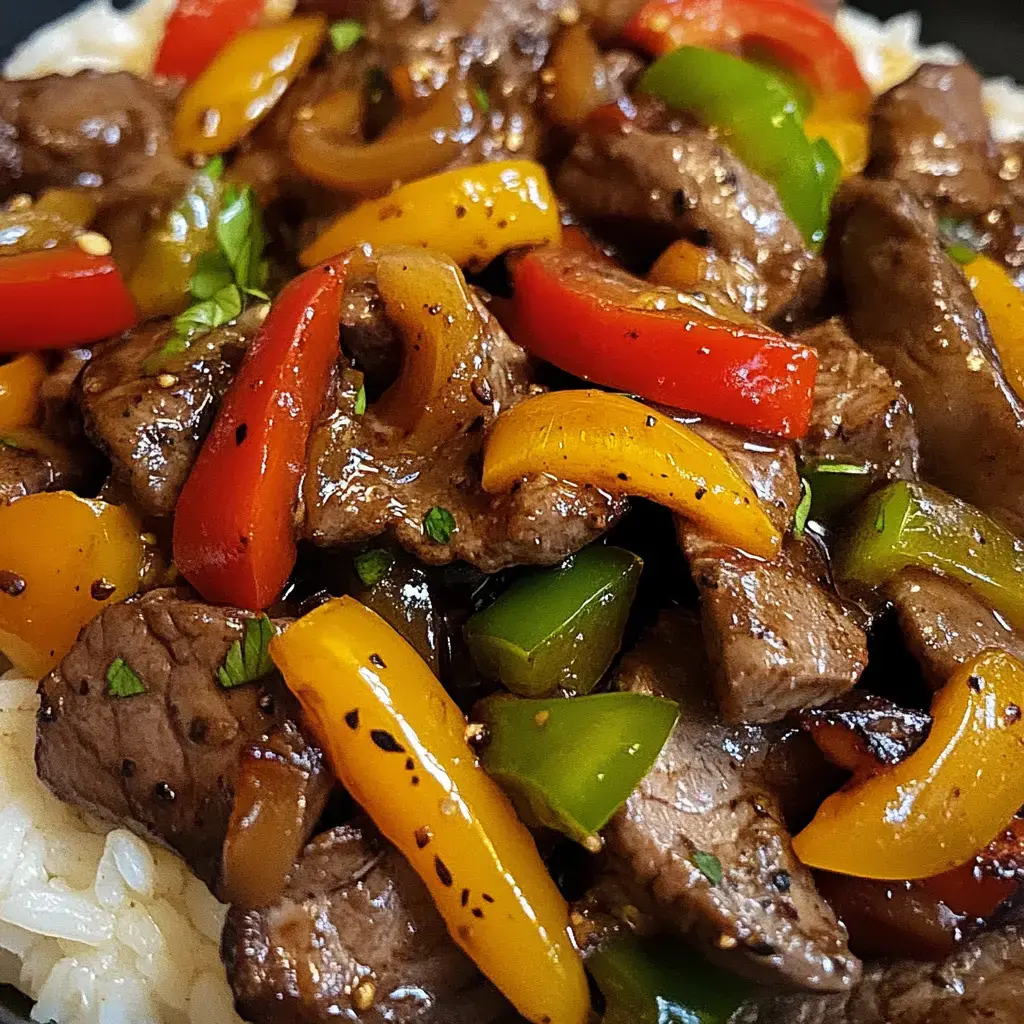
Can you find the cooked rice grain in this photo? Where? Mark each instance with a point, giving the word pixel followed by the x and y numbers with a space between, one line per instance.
pixel 98 927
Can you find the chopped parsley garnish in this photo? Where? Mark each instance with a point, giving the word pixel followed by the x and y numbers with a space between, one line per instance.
pixel 345 35
pixel 962 239
pixel 962 254
pixel 372 566
pixel 360 406
pixel 225 275
pixel 439 524
pixel 803 510
pixel 483 101
pixel 122 681
pixel 248 659
pixel 708 865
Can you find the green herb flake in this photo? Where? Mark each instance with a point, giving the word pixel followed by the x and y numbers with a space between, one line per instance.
pixel 214 168
pixel 708 865
pixel 373 566
pixel 880 521
pixel 243 238
pixel 483 101
pixel 360 406
pixel 345 35
pixel 803 510
pixel 439 524
pixel 212 273
pixel 248 659
pixel 122 681
pixel 961 254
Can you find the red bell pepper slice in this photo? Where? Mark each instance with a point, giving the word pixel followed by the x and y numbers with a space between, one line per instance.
pixel 601 324
pixel 234 537
pixel 793 33
pixel 60 298
pixel 198 30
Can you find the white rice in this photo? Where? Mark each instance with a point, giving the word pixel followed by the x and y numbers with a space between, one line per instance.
pixel 97 927
pixel 104 928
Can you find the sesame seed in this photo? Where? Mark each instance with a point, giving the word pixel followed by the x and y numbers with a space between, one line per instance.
pixel 593 843
pixel 727 942
pixel 167 380
pixel 362 998
pixel 93 243
pixel 19 203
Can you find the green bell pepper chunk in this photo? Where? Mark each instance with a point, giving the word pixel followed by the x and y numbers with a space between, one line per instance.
pixel 907 524
pixel 835 486
pixel 557 627
pixel 570 763
pixel 761 119
pixel 663 983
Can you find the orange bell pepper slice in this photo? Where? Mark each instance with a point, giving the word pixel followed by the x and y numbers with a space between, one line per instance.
pixel 243 83
pixel 48 591
pixel 20 380
pixel 948 800
pixel 626 448
pixel 1002 302
pixel 396 741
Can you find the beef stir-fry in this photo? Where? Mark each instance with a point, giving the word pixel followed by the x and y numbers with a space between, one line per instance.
pixel 526 498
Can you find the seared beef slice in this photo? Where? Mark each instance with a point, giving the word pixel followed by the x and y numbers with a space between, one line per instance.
pixel 912 309
pixel 685 184
pixel 707 793
pixel 163 762
pixel 354 937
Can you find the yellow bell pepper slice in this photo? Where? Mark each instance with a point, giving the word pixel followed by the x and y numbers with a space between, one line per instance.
pixel 20 380
pixel 944 803
pixel 841 120
pixel 92 556
pixel 243 84
pixel 426 297
pixel 396 741
pixel 1002 302
pixel 472 214
pixel 626 448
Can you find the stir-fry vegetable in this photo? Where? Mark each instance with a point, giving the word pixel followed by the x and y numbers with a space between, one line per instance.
pixel 396 740
pixel 907 524
pixel 19 390
pixel 59 298
pixel 198 30
pixel 601 324
pixel 761 119
pixel 661 982
pixel 944 803
pixel 610 740
pixel 233 534
pixel 48 591
pixel 243 84
pixel 172 250
pixel 559 627
pixel 1002 302
pixel 793 33
pixel 471 214
pixel 835 486
pixel 325 146
pixel 426 297
pixel 625 447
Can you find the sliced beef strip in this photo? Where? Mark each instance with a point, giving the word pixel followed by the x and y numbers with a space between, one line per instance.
pixel 151 422
pixel 860 416
pixel 354 937
pixel 779 639
pixel 912 309
pixel 685 184
pixel 864 733
pixel 982 983
pixel 708 792
pixel 363 481
pixel 944 624
pixel 163 762
pixel 107 132
pixel 28 467
pixel 932 134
